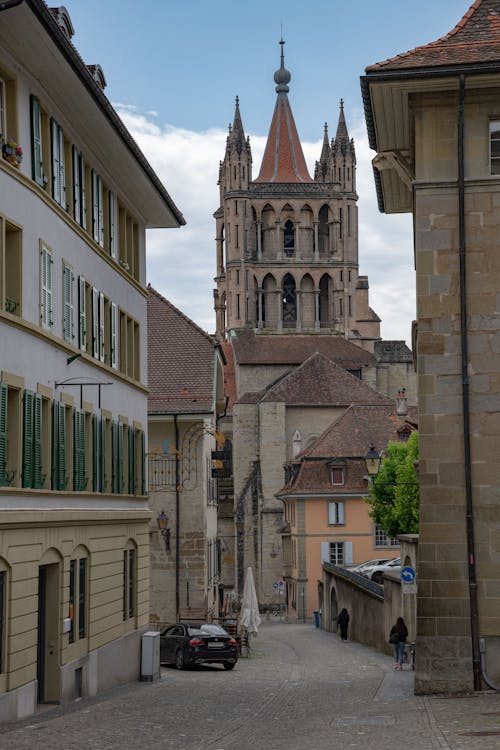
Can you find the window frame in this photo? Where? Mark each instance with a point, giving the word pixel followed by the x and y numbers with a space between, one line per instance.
pixel 46 287
pixel 494 160
pixel 336 513
pixel 58 163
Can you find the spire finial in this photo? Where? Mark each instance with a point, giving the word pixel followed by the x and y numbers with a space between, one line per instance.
pixel 341 104
pixel 282 76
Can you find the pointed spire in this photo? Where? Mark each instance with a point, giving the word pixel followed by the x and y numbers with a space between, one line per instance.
pixel 325 151
pixel 342 133
pixel 236 135
pixel 283 159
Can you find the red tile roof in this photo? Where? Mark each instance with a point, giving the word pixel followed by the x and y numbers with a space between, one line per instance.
pixel 283 159
pixel 180 360
pixel 318 380
pixel 283 349
pixel 475 39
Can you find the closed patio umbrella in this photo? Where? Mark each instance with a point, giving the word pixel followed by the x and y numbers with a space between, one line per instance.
pixel 249 615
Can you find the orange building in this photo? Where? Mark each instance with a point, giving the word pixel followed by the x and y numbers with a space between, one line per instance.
pixel 326 516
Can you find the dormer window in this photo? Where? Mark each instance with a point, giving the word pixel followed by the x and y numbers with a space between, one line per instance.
pixel 337 474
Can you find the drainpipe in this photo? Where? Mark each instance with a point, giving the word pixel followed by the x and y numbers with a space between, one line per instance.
pixel 177 519
pixel 471 556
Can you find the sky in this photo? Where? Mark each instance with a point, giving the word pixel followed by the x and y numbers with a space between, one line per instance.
pixel 173 70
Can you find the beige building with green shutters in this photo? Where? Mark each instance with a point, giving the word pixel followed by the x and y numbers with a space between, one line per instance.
pixel 76 196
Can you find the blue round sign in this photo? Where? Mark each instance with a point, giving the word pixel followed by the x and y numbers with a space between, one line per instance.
pixel 408 575
pixel 275 585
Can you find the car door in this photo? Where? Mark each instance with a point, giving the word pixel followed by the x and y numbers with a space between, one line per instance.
pixel 169 640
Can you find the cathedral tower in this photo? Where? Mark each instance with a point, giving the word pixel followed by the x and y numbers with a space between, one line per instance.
pixel 287 244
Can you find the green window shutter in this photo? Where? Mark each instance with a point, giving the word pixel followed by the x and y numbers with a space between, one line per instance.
pixel 114 457
pixel 27 477
pixel 68 278
pixel 143 462
pixel 56 172
pixel 79 482
pixel 113 314
pixel 36 141
pixel 82 314
pixel 3 434
pixel 131 462
pixel 37 441
pixel 61 449
pixel 112 224
pixel 95 453
pixel 102 462
pixel 55 444
pixel 121 431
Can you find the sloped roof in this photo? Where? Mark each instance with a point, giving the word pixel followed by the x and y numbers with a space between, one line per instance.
pixel 180 361
pixel 252 349
pixel 475 39
pixel 318 380
pixel 360 427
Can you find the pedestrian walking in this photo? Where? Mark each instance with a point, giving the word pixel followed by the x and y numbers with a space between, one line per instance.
pixel 397 638
pixel 343 621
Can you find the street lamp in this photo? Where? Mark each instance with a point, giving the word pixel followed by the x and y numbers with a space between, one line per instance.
pixel 372 461
pixel 162 521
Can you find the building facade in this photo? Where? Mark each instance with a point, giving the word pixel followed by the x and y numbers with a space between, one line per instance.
pixel 186 397
pixel 433 119
pixel 76 196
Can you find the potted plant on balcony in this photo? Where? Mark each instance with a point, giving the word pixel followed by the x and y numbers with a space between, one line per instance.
pixel 11 152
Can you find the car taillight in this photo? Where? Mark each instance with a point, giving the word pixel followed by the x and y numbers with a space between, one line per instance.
pixel 196 642
pixel 232 642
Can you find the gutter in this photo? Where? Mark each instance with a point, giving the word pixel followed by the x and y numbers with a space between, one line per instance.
pixel 40 10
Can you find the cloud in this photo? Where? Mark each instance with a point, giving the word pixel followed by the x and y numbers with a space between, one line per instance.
pixel 181 262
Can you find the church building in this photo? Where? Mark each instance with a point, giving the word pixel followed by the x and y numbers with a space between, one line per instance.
pixel 288 287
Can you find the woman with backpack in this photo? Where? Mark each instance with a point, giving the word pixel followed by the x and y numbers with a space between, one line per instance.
pixel 397 638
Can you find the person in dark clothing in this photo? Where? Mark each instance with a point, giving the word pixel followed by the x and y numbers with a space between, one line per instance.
pixel 397 637
pixel 343 621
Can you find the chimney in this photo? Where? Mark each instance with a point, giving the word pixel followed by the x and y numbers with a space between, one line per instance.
pixel 402 403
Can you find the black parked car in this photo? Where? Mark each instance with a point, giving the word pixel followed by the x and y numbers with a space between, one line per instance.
pixel 184 644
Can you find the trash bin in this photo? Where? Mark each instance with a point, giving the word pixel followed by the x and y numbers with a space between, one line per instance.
pixel 316 617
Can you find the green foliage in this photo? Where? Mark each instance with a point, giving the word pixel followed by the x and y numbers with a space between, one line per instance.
pixel 394 492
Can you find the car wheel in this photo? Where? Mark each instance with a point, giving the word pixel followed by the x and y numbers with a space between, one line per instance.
pixel 229 664
pixel 179 659
pixel 378 577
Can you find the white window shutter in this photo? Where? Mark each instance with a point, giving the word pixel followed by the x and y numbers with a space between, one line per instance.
pixel 68 303
pixel 84 192
pixel 100 238
pixel 82 314
pixel 46 288
pixel 95 323
pixel 95 208
pixel 347 553
pixel 325 552
pixel 332 513
pixel 101 327
pixel 340 513
pixel 114 336
pixel 36 140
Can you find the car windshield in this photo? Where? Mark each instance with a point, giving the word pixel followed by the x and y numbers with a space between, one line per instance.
pixel 208 629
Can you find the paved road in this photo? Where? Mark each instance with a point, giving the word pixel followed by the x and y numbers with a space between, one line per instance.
pixel 302 689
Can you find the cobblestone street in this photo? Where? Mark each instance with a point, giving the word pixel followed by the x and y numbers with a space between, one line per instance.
pixel 301 688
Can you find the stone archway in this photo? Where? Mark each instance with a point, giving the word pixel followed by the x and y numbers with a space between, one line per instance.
pixel 333 609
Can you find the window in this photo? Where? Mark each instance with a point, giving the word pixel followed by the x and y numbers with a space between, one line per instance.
pixel 78 598
pixel 337 553
pixel 98 453
pixel 336 513
pixel 129 346
pixel 382 540
pixel 110 225
pixel 128 242
pixel 58 164
pixel 10 436
pixel 495 147
pixel 10 267
pixel 79 188
pixel 68 305
pixel 83 292
pixel 113 327
pixel 36 142
pixel 337 474
pixel 129 583
pixel 97 209
pixel 32 441
pixel 118 457
pixel 289 238
pixel 46 287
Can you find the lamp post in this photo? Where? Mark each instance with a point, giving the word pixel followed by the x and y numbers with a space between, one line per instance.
pixel 372 462
pixel 162 521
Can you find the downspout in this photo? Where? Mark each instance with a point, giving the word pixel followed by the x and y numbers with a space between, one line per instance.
pixel 471 556
pixel 177 519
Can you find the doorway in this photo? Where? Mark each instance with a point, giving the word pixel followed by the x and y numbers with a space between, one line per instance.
pixel 47 671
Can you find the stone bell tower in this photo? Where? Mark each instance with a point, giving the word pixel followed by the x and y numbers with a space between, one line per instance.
pixel 287 244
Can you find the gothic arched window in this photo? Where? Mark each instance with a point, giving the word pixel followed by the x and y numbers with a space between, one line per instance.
pixel 289 302
pixel 324 288
pixel 289 238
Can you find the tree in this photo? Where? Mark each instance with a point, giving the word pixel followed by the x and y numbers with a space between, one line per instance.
pixel 394 491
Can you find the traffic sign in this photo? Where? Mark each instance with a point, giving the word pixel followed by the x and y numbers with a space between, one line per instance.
pixel 408 575
pixel 275 585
